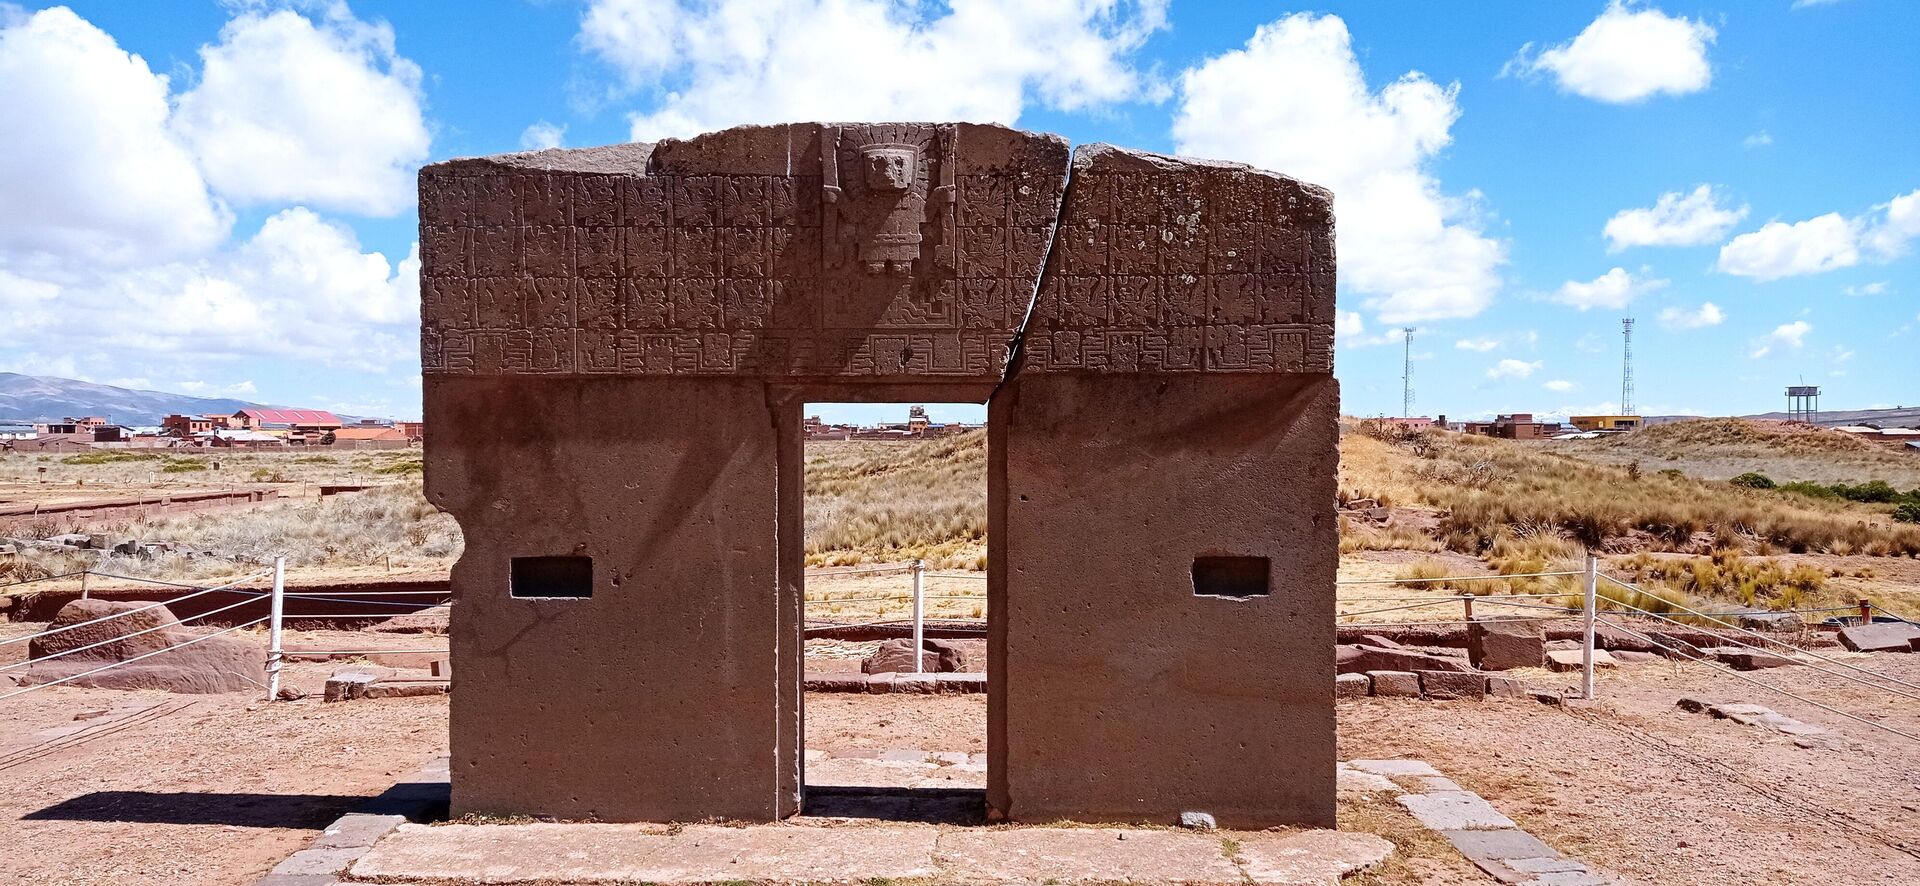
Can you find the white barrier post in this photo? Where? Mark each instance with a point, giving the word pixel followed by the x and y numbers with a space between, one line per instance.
pixel 1593 591
pixel 276 607
pixel 919 614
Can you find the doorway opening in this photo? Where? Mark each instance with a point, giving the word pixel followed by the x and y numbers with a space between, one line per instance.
pixel 895 515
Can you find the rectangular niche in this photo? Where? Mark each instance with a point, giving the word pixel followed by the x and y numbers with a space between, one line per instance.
pixel 1231 577
pixel 551 577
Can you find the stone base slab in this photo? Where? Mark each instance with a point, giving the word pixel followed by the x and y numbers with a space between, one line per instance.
pixel 825 852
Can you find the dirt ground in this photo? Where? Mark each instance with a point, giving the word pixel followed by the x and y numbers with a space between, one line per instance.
pixel 217 789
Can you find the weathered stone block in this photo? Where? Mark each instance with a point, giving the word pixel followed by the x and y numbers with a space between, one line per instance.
pixel 1880 637
pixel 1351 685
pixel 1361 659
pixel 1449 685
pixel 1498 644
pixel 1395 684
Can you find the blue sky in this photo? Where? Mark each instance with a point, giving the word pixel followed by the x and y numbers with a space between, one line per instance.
pixel 216 198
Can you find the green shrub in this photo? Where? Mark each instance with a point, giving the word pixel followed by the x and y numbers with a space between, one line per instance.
pixel 401 467
pixel 1872 491
pixel 1753 480
pixel 1908 512
pixel 183 466
pixel 104 458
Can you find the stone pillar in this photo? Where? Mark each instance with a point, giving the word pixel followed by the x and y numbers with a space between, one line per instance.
pixel 1165 543
pixel 655 697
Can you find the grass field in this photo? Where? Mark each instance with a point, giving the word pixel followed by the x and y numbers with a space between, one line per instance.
pixel 1517 507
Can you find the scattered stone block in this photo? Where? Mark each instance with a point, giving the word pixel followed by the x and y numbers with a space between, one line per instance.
pixel 1741 659
pixel 1506 687
pixel 1395 684
pixel 1574 659
pixel 406 688
pixel 347 686
pixel 917 684
pixel 1693 705
pixel 1351 685
pixel 1760 620
pixel 1880 637
pixel 968 683
pixel 1198 821
pixel 835 683
pixel 170 657
pixel 936 656
pixel 1449 685
pixel 1381 642
pixel 1499 644
pixel 1633 656
pixel 1546 697
pixel 1374 658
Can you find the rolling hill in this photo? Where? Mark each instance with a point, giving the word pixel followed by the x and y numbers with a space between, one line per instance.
pixel 30 398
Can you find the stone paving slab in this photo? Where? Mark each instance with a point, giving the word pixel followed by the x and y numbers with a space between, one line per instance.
pixel 628 853
pixel 1454 811
pixel 586 854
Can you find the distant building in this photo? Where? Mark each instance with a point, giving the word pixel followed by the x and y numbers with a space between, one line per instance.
pixel 289 419
pixel 415 430
pixel 1605 422
pixel 71 425
pixel 1518 426
pixel 374 437
pixel 1419 423
pixel 190 425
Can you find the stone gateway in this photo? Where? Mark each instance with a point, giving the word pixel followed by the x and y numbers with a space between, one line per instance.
pixel 619 342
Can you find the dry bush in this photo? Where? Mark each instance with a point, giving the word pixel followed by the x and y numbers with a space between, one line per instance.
pixel 1490 488
pixel 893 500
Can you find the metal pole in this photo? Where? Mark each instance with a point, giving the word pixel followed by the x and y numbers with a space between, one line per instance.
pixel 85 573
pixel 1866 611
pixel 276 608
pixel 919 614
pixel 1593 590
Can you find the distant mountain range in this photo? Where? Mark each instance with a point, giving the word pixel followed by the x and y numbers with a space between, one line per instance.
pixel 31 398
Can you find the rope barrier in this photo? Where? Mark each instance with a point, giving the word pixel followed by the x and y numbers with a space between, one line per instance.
pixel 125 613
pixel 1397 581
pixel 416 606
pixel 1733 673
pixel 130 660
pixel 28 581
pixel 1832 661
pixel 1843 664
pixel 175 623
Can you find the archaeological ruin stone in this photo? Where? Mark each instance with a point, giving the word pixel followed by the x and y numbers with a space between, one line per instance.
pixel 624 338
pixel 135 644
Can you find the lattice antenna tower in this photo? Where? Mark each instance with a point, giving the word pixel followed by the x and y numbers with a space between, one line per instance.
pixel 1406 376
pixel 1626 366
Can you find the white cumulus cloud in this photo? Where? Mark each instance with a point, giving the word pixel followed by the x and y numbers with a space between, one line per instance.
pixel 1878 287
pixel 1558 386
pixel 88 170
pixel 1785 337
pixel 542 135
pixel 1630 53
pixel 293 110
pixel 1825 243
pixel 1294 100
pixel 1511 368
pixel 1613 290
pixel 1676 318
pixel 1674 219
pixel 717 63
pixel 1481 345
pixel 300 288
pixel 1779 249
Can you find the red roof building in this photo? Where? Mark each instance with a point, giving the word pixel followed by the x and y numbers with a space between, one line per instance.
pixel 298 419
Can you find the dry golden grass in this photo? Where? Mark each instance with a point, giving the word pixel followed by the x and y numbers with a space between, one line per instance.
pixel 1501 489
pixel 1719 448
pixel 871 501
